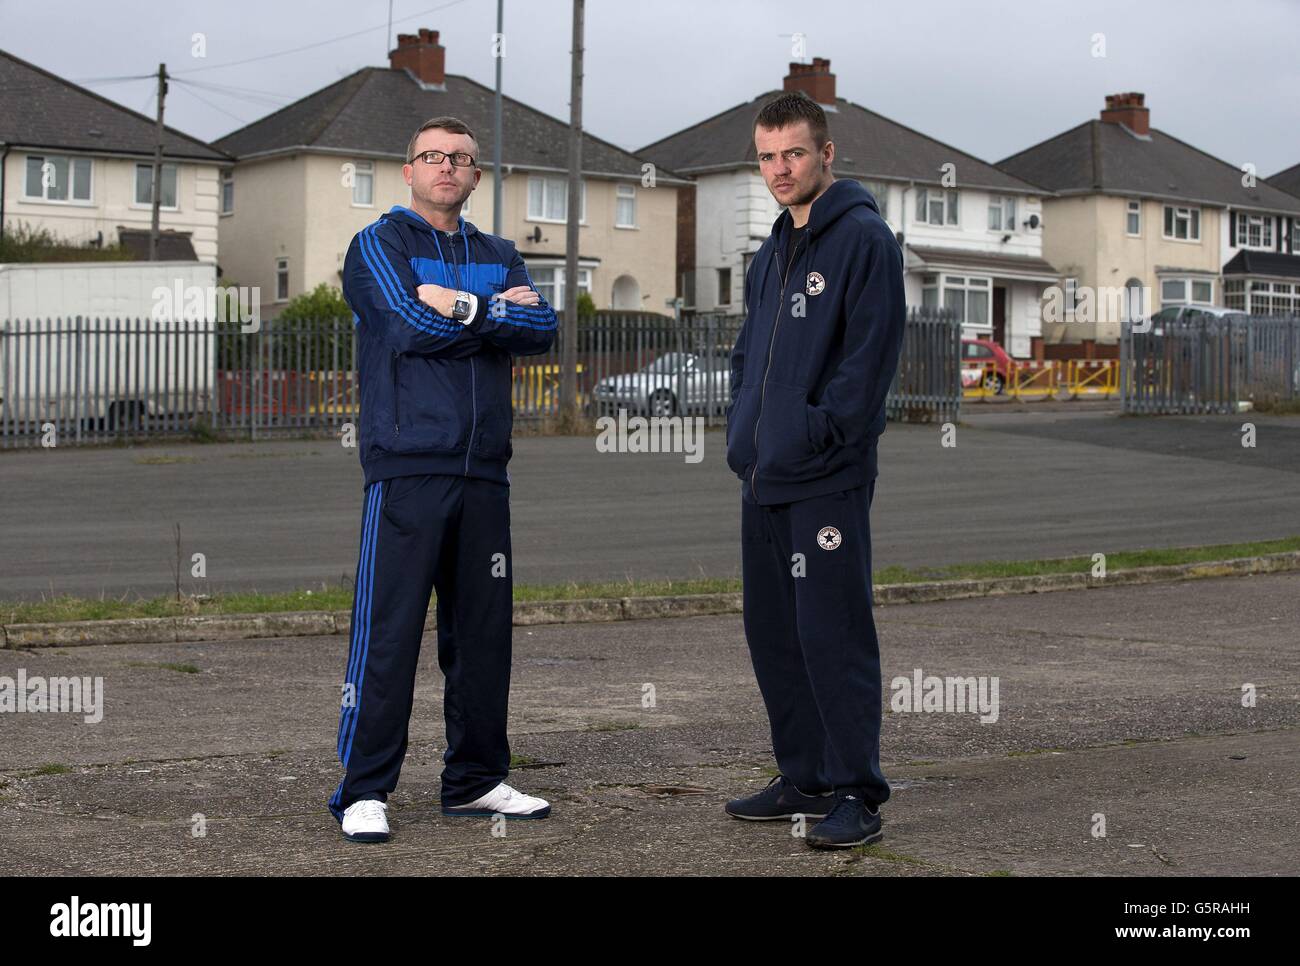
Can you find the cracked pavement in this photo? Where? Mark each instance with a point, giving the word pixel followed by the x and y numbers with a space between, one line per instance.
pixel 1120 702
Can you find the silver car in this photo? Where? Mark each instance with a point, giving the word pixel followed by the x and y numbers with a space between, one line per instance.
pixel 676 382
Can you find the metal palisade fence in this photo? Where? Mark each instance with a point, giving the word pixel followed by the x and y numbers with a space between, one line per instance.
pixel 1209 364
pixel 78 381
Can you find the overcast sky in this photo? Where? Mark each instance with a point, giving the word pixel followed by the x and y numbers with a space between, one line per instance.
pixel 989 77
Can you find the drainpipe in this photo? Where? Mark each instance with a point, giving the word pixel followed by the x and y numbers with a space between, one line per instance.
pixel 4 157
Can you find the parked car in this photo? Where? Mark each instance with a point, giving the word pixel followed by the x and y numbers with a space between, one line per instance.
pixel 1192 313
pixel 976 356
pixel 675 382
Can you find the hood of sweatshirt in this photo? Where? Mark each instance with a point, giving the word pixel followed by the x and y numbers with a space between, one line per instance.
pixel 840 197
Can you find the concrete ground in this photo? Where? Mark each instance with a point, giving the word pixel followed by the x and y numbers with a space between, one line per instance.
pixel 1122 702
pixel 1025 480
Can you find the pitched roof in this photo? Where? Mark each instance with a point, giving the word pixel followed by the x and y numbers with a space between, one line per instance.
pixel 1100 157
pixel 42 110
pixel 1288 180
pixel 867 145
pixel 374 111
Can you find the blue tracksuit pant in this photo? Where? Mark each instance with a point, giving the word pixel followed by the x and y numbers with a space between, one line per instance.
pixel 420 533
pixel 813 641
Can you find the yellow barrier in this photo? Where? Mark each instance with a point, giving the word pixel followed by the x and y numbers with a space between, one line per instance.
pixel 537 387
pixel 1092 377
pixel 1035 380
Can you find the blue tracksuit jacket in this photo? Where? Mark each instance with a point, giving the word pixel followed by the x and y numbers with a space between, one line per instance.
pixel 435 393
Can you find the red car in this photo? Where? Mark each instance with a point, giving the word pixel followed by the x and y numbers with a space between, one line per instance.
pixel 976 354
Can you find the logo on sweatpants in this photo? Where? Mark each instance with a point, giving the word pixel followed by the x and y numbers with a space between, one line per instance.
pixel 828 538
pixel 815 283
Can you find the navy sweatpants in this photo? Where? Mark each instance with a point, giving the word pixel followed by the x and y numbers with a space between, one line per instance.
pixel 419 533
pixel 813 641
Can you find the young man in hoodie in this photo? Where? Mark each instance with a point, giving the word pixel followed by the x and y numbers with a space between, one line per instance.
pixel 439 307
pixel 809 375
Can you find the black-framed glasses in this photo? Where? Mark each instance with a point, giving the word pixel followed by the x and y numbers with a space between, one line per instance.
pixel 460 159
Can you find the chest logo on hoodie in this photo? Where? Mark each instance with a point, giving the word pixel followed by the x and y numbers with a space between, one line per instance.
pixel 815 283
pixel 828 538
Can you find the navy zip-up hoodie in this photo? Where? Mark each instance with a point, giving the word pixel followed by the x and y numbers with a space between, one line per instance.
pixel 435 393
pixel 817 352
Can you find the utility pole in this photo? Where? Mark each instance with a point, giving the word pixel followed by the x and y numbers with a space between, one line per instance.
pixel 497 173
pixel 569 336
pixel 157 164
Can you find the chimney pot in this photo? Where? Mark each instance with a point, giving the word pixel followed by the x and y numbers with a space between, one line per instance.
pixel 1128 109
pixel 815 80
pixel 422 55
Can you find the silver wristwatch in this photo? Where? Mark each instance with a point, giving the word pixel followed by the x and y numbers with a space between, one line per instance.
pixel 461 310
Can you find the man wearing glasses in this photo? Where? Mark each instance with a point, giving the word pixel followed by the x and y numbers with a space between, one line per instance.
pixel 439 307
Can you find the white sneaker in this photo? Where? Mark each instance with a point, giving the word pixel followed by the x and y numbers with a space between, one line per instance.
pixel 365 821
pixel 503 800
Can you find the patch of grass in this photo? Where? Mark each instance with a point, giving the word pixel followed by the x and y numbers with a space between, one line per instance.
pixel 50 769
pixel 1000 873
pixel 1277 407
pixel 339 597
pixel 518 761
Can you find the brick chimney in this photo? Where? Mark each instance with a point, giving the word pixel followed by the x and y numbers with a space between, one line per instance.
pixel 422 55
pixel 1129 110
pixel 815 80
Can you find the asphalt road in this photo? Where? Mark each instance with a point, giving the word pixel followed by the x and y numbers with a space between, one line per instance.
pixel 1022 482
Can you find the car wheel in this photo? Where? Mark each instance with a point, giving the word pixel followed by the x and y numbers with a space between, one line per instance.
pixel 662 403
pixel 995 382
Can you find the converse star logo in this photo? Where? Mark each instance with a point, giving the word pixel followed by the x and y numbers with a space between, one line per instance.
pixel 815 283
pixel 828 538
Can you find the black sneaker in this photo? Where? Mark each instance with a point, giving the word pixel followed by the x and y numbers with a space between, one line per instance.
pixel 779 800
pixel 849 823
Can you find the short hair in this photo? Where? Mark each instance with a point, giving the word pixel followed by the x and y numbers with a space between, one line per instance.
pixel 791 108
pixel 447 123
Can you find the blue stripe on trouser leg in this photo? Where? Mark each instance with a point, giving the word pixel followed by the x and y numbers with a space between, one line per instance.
pixel 360 624
pixel 408 537
pixel 813 639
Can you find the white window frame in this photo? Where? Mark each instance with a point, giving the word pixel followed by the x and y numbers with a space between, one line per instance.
pixel 1133 210
pixel 554 284
pixel 1188 214
pixel 135 184
pixel 624 193
pixel 71 199
pixel 551 183
pixel 1004 205
pixel 281 272
pixel 360 170
pixel 950 199
pixel 934 286
pixel 1262 224
pixel 227 182
pixel 1188 284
